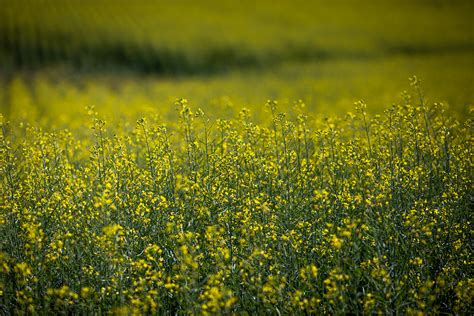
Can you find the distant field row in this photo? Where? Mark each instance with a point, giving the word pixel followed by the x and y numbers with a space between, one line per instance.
pixel 201 37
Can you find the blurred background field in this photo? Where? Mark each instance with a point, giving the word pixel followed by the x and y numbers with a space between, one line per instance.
pixel 59 56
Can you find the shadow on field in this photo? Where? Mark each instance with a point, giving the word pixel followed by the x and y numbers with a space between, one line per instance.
pixel 147 59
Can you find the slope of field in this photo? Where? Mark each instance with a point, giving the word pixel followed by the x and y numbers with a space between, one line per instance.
pixel 327 88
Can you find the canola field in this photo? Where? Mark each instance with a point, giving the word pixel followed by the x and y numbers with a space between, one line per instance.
pixel 185 158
